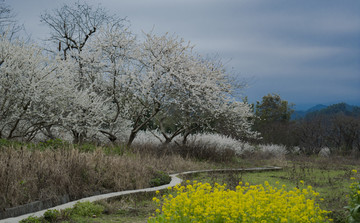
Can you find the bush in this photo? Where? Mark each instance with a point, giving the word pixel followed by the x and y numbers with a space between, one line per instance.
pixel 216 141
pixel 51 215
pixel 87 209
pixel 83 209
pixel 208 146
pixel 160 178
pixel 33 219
pixel 199 202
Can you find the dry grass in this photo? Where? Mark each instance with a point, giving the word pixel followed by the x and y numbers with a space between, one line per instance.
pixel 29 175
pixel 196 152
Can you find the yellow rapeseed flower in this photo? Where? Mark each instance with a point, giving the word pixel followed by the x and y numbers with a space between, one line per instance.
pixel 257 203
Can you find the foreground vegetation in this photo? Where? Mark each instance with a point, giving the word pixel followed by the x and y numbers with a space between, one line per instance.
pixel 138 208
pixel 40 173
pixel 35 172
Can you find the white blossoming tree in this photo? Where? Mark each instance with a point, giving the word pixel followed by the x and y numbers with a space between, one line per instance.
pixel 106 82
pixel 205 103
pixel 25 85
pixel 174 83
pixel 39 93
pixel 112 52
pixel 73 30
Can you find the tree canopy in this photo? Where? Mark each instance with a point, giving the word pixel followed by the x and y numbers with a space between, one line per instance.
pixel 102 82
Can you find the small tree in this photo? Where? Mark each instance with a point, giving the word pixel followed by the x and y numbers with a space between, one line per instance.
pixel 273 109
pixel 272 119
pixel 73 30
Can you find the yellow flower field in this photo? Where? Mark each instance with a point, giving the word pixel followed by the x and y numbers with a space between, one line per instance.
pixel 198 202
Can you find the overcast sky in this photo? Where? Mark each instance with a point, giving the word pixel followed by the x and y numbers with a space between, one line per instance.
pixel 307 51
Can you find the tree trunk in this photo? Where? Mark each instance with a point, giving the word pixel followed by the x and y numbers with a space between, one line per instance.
pixel 49 132
pixel 131 138
pixel 185 138
pixel 138 126
pixel 78 137
pixel 109 135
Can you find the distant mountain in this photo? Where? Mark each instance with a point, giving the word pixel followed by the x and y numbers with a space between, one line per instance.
pixel 316 108
pixel 327 110
pixel 343 108
pixel 301 114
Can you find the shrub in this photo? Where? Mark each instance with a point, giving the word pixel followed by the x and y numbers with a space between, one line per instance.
pixel 216 141
pixel 51 215
pixel 325 152
pixel 199 202
pixel 274 150
pixel 209 146
pixel 33 219
pixel 160 178
pixel 87 209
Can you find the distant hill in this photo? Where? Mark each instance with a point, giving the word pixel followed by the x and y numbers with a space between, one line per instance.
pixel 327 110
pixel 343 108
pixel 301 114
pixel 316 108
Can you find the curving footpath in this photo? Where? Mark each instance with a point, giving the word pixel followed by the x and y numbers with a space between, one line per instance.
pixel 174 181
